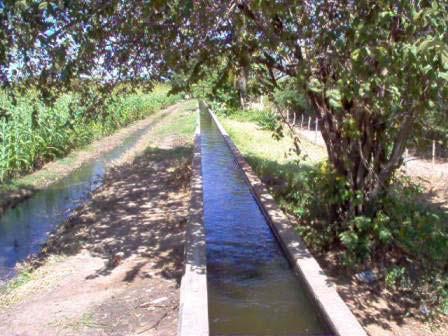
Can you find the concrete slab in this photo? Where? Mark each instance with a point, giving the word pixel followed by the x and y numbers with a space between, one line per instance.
pixel 193 307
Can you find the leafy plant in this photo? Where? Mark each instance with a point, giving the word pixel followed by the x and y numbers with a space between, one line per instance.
pixel 268 120
pixel 394 276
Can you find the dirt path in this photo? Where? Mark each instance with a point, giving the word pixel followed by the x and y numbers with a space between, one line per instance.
pixel 115 266
pixel 24 187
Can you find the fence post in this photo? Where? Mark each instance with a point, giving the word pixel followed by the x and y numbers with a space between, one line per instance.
pixel 406 156
pixel 294 119
pixel 309 123
pixel 301 123
pixel 433 153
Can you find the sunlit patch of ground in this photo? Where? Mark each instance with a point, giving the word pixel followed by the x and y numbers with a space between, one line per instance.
pixel 253 141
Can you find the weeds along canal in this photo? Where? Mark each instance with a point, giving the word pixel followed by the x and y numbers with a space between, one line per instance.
pixel 252 288
pixel 25 228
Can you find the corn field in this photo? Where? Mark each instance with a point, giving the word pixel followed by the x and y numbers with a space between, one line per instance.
pixel 32 133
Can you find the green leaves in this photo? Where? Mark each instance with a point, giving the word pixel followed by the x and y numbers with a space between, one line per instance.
pixel 314 85
pixel 443 75
pixel 334 98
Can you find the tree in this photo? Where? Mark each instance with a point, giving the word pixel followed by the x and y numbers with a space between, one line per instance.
pixel 371 69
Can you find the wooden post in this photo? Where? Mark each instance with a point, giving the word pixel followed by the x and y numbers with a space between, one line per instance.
pixel 433 153
pixel 294 119
pixel 301 123
pixel 309 123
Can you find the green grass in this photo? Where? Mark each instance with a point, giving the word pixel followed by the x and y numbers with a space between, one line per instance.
pixel 182 123
pixel 268 154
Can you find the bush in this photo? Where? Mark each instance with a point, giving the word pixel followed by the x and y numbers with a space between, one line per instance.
pixel 400 221
pixel 403 234
pixel 267 120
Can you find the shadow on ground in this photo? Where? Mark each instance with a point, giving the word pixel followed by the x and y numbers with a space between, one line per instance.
pixel 139 212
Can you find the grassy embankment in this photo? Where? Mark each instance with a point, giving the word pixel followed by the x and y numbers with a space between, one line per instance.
pixel 32 134
pixel 407 243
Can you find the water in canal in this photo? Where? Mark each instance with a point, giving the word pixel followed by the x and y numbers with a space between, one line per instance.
pixel 251 286
pixel 25 228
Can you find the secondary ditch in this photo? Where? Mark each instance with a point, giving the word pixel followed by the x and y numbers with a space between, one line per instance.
pixel 25 228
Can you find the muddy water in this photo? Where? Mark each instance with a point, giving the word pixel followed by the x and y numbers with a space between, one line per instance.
pixel 252 288
pixel 25 228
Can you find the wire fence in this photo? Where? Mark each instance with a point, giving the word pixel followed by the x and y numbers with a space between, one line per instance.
pixel 309 127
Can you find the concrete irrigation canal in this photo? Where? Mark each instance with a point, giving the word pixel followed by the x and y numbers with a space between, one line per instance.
pixel 252 289
pixel 247 272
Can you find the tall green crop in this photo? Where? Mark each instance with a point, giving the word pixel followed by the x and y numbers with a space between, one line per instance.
pixel 32 133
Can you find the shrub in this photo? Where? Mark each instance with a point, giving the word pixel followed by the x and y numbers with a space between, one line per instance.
pixel 403 234
pixel 267 120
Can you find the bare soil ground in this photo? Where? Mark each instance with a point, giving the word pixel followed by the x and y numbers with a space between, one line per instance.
pixel 433 177
pixel 380 311
pixel 114 267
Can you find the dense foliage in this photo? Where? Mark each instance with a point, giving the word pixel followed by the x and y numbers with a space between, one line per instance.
pixel 32 133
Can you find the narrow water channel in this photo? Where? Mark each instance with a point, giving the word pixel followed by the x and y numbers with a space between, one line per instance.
pixel 251 286
pixel 25 228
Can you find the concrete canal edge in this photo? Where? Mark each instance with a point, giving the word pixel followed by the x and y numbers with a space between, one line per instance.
pixel 338 316
pixel 193 305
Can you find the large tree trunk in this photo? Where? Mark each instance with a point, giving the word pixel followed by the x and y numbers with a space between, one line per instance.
pixel 360 157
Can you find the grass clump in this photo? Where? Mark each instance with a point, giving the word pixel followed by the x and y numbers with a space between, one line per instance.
pixel 265 119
